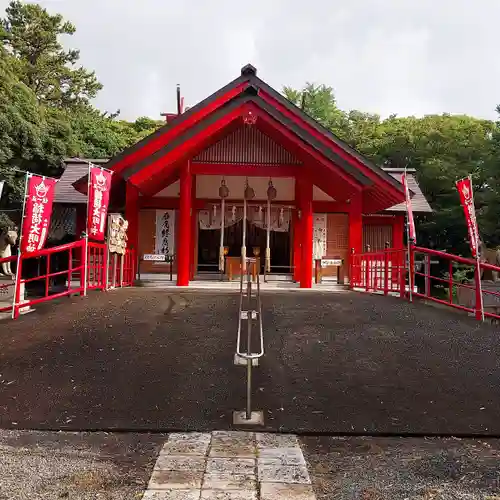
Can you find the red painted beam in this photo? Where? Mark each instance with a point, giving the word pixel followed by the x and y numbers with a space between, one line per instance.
pixel 159 202
pixel 264 118
pixel 151 145
pixel 330 207
pixel 351 158
pixel 228 169
pixel 164 165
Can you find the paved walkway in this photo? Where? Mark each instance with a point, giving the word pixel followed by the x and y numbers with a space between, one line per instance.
pixel 144 359
pixel 230 466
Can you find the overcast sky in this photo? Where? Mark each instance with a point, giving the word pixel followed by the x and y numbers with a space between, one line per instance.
pixel 383 56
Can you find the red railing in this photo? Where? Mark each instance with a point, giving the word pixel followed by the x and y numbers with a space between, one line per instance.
pixel 383 271
pixel 122 269
pixel 129 267
pixel 96 266
pixel 66 264
pixel 437 276
pixel 55 257
pixel 7 285
pixel 458 286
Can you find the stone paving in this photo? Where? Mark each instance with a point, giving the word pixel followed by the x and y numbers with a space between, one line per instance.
pixel 230 466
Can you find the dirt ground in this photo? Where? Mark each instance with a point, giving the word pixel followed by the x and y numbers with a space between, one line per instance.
pixel 346 363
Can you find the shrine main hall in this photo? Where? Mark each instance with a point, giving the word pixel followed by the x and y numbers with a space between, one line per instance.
pixel 245 167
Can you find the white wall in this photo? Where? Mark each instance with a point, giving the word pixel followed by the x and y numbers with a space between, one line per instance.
pixel 207 186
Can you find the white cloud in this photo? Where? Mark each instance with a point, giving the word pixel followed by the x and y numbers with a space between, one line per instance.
pixel 386 56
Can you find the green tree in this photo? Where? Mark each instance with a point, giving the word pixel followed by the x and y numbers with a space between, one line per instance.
pixel 319 102
pixel 32 36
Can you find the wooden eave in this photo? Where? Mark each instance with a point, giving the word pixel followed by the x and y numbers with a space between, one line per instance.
pixel 206 122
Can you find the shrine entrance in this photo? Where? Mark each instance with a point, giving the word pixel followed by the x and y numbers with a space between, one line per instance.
pixel 209 239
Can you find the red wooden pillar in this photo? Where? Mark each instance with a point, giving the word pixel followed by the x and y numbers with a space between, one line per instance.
pixel 194 229
pixel 306 265
pixel 132 215
pixel 355 228
pixel 184 244
pixel 398 229
pixel 297 248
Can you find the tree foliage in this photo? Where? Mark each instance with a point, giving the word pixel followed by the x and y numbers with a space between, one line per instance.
pixel 32 36
pixel 45 102
pixel 442 149
pixel 46 114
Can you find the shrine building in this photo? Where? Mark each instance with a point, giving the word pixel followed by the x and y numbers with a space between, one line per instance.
pixel 182 189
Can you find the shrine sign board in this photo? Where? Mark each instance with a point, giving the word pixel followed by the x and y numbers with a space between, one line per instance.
pixel 331 262
pixel 155 257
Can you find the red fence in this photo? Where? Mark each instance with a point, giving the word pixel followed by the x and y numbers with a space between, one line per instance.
pixel 436 276
pixel 382 271
pixel 96 266
pixel 60 271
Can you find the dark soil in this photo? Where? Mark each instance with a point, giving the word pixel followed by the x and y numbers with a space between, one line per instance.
pixel 144 359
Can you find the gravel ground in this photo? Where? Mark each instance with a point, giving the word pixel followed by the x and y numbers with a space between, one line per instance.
pixel 103 466
pixel 346 363
pixel 357 468
pixel 97 466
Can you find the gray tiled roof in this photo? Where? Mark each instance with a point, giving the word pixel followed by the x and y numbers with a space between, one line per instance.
pixel 75 169
pixel 418 202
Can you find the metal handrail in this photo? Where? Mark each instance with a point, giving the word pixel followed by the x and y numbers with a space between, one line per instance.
pixel 248 355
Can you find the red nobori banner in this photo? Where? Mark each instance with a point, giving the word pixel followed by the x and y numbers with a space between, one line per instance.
pixel 99 189
pixel 37 212
pixel 464 187
pixel 409 210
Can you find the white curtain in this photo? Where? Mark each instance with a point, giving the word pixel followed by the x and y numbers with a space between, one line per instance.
pixel 256 215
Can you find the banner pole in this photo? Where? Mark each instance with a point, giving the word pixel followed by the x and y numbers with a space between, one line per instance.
pixel 86 243
pixel 17 282
pixel 479 294
pixel 408 240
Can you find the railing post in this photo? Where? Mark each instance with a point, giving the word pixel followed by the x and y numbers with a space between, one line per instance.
pixel 18 285
pixel 427 271
pixel 450 281
pixel 402 272
pixel 367 272
pixel 83 266
pixel 386 269
pixel 479 299
pixel 351 270
pixel 411 277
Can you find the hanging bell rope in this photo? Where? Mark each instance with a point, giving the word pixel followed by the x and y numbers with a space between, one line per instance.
pixel 223 193
pixel 271 195
pixel 249 194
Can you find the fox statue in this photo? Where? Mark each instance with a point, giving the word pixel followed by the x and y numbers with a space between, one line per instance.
pixel 8 238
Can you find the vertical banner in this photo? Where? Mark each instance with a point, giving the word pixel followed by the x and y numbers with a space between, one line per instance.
pixel 409 211
pixel 465 191
pixel 98 200
pixel 464 187
pixel 37 212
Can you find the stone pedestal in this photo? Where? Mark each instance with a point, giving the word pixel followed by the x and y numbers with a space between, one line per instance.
pixel 7 295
